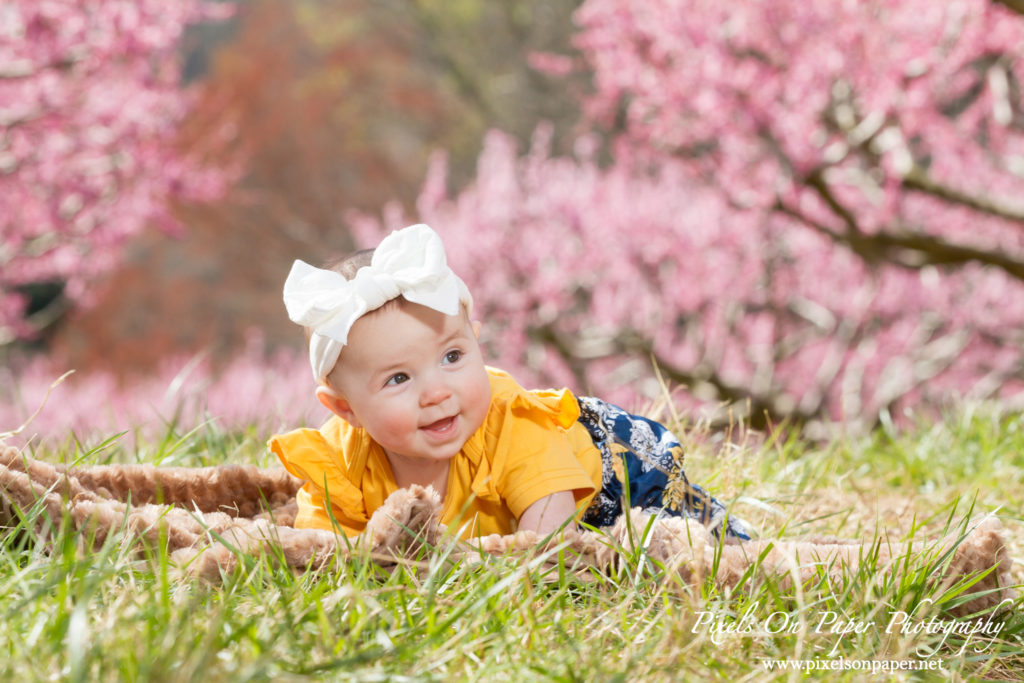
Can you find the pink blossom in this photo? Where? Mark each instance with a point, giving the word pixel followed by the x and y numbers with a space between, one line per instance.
pixel 258 391
pixel 90 103
pixel 769 154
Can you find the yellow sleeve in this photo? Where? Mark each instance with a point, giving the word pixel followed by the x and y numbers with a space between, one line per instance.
pixel 328 491
pixel 530 446
pixel 546 459
pixel 313 513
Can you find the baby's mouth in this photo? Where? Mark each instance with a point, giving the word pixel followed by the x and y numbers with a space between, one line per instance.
pixel 442 426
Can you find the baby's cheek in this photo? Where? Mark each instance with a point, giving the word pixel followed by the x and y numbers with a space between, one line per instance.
pixel 481 398
pixel 395 421
pixel 403 422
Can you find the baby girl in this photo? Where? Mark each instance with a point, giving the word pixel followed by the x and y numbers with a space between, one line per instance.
pixel 394 351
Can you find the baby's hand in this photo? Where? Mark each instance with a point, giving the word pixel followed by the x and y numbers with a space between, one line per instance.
pixel 408 517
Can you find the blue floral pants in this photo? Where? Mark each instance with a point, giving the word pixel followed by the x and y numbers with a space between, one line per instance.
pixel 649 458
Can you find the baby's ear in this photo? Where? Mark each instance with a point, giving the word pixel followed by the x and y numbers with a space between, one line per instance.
pixel 476 328
pixel 337 404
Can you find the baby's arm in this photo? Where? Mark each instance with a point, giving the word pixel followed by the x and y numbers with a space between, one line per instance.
pixel 549 513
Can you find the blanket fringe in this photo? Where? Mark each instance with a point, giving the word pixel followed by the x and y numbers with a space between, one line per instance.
pixel 210 517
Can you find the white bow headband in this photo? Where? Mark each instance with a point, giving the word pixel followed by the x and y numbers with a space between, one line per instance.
pixel 410 263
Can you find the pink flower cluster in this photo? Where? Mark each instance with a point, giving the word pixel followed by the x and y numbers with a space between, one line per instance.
pixel 811 207
pixel 90 102
pixel 763 97
pixel 256 391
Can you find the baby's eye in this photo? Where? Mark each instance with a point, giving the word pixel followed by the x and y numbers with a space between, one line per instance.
pixel 453 356
pixel 396 379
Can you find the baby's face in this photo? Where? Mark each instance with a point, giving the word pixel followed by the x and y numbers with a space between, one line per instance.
pixel 414 378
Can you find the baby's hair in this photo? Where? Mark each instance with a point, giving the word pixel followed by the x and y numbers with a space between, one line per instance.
pixel 347 266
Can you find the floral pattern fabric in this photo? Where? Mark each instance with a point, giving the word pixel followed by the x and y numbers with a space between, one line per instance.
pixel 642 466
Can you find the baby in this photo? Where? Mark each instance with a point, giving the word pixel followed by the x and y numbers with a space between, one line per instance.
pixel 394 352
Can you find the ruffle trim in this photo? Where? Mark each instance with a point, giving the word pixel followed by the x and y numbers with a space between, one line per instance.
pixel 308 455
pixel 557 408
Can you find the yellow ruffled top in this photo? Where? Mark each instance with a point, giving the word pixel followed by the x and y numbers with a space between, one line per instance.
pixel 529 446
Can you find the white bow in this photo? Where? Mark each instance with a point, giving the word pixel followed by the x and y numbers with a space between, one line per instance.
pixel 408 262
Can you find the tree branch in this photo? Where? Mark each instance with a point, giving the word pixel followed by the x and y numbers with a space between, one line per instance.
pixel 1012 5
pixel 918 180
pixel 816 180
pixel 549 336
pixel 762 410
pixel 8 124
pixel 21 69
pixel 909 250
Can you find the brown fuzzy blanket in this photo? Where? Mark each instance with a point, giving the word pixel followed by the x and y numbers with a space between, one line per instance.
pixel 210 516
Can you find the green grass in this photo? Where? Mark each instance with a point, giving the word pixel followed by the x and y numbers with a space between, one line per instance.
pixel 123 613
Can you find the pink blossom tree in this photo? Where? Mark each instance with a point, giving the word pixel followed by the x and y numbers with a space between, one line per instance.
pixel 812 211
pixel 90 101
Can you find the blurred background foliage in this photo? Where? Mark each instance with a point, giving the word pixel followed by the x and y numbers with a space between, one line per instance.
pixel 336 106
pixel 786 211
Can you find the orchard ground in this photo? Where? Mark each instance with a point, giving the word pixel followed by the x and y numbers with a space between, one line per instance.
pixel 117 613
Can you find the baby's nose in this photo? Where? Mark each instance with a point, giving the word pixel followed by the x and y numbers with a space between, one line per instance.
pixel 436 392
